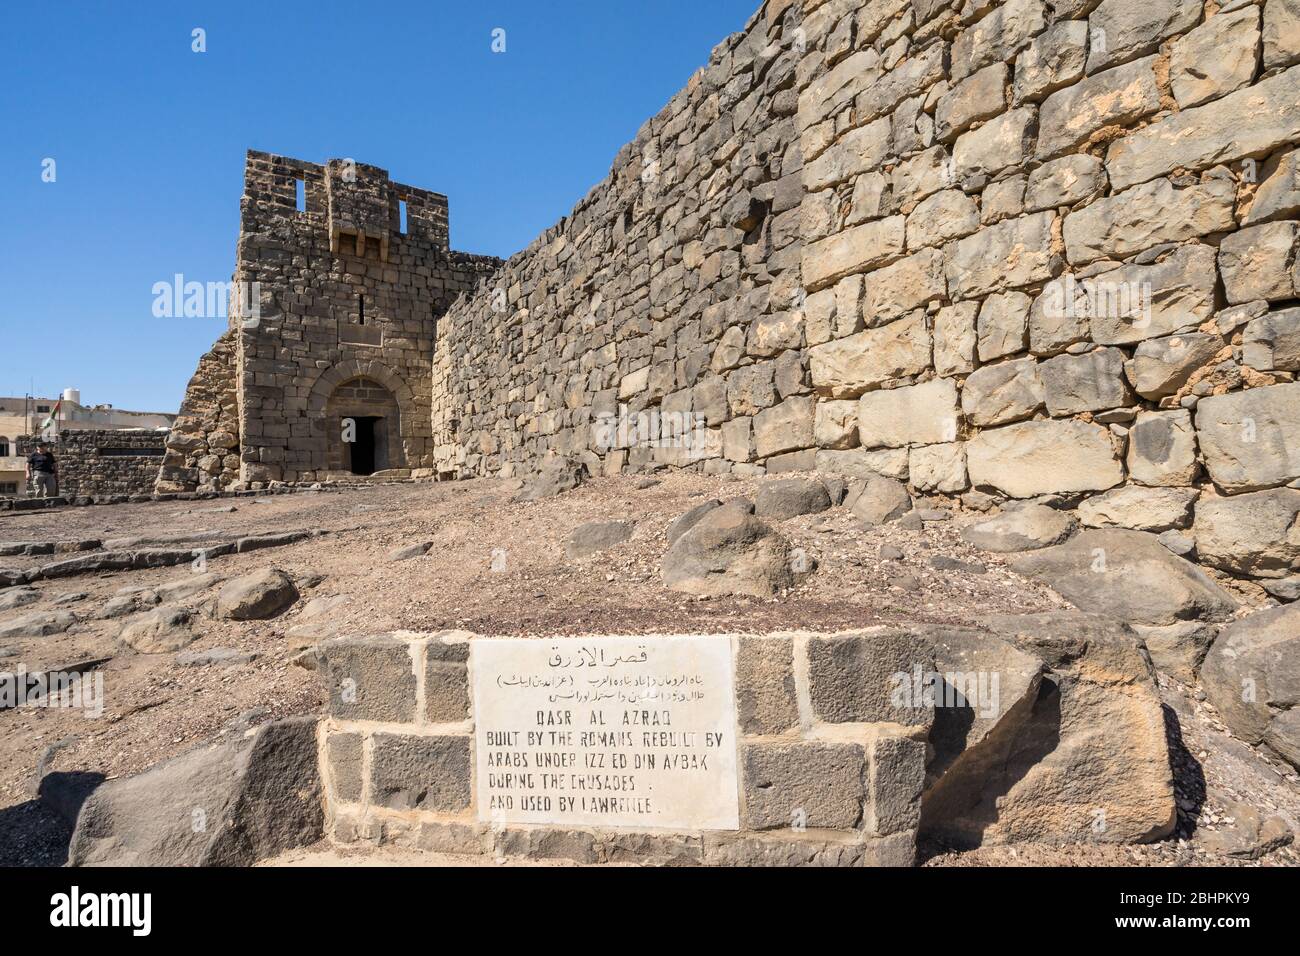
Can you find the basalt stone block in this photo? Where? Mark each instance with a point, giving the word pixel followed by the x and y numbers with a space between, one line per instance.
pixel 765 688
pixel 344 755
pixel 895 782
pixel 446 682
pixel 804 785
pixel 865 677
pixel 420 773
pixel 370 678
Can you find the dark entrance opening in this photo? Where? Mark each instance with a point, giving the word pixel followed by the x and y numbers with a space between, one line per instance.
pixel 363 449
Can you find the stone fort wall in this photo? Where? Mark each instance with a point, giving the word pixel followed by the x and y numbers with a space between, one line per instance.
pixel 996 249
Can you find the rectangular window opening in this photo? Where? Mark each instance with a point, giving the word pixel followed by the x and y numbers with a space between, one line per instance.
pixel 401 216
pixel 300 195
pixel 361 309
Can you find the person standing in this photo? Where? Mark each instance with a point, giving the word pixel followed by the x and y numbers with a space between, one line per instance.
pixel 43 471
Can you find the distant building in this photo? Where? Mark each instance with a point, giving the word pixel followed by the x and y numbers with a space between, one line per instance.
pixel 27 415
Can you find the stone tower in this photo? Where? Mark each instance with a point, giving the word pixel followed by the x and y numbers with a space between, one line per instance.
pixel 341 276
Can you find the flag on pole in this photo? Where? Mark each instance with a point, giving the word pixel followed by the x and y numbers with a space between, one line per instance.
pixel 54 413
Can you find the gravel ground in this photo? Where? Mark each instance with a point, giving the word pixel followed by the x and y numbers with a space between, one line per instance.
pixel 495 567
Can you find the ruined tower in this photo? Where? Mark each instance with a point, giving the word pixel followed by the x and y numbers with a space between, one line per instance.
pixel 341 276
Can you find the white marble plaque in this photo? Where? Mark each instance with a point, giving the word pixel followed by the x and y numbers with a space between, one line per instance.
pixel 635 732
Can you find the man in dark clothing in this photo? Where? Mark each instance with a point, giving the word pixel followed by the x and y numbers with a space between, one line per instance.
pixel 43 471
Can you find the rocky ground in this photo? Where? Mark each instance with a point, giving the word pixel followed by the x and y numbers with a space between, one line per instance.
pixel 495 566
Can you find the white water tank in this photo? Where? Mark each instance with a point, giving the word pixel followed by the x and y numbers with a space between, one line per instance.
pixel 72 396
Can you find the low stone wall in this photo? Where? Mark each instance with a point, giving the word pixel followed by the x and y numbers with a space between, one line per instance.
pixel 823 772
pixel 105 462
pixel 785 749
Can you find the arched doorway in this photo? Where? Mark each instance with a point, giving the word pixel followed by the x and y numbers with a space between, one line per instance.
pixel 363 425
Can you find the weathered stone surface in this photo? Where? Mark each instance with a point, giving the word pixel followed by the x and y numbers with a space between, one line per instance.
pixel 256 596
pixel 1137 302
pixel 420 773
pixel 1251 440
pixel 1002 328
pixel 1142 509
pixel 1255 534
pixel 37 624
pixel 1133 29
pixel 790 497
pixel 1093 746
pixel 1037 458
pixel 1010 254
pixel 980 96
pixel 1002 393
pixel 946 215
pixel 1281 33
pixel 855 250
pixel 1064 182
pixel 1007 29
pixel 1055 58
pixel 1146 216
pixel 18 597
pixel 556 476
pixel 1256 262
pixel 836 424
pixel 848 367
pixel 1272 342
pixel 1278 195
pixel 1178 649
pixel 1128 575
pixel 258 796
pixel 955 338
pixel 940 468
pixel 784 427
pixel 596 536
pixel 160 631
pixel 914 415
pixel 997 145
pixel 1216 58
pixel 766 702
pixel 729 552
pixel 684 522
pixel 410 551
pixel 819 785
pixel 903 286
pixel 369 678
pixel 855 677
pixel 1090 382
pixel 880 500
pixel 1026 528
pixel 1252 675
pixel 346 770
pixel 1162 449
pixel 1249 122
pixel 1119 96
pixel 1161 367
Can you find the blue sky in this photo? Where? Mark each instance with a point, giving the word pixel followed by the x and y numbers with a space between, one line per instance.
pixel 148 139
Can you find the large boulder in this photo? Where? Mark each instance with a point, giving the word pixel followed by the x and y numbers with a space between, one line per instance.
pixel 229 803
pixel 729 552
pixel 1026 528
pixel 38 624
pixel 1077 755
pixel 1139 508
pixel 1252 675
pixel 1256 534
pixel 597 536
pixel 1127 575
pixel 556 476
pixel 256 596
pixel 879 500
pixel 160 631
pixel 791 497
